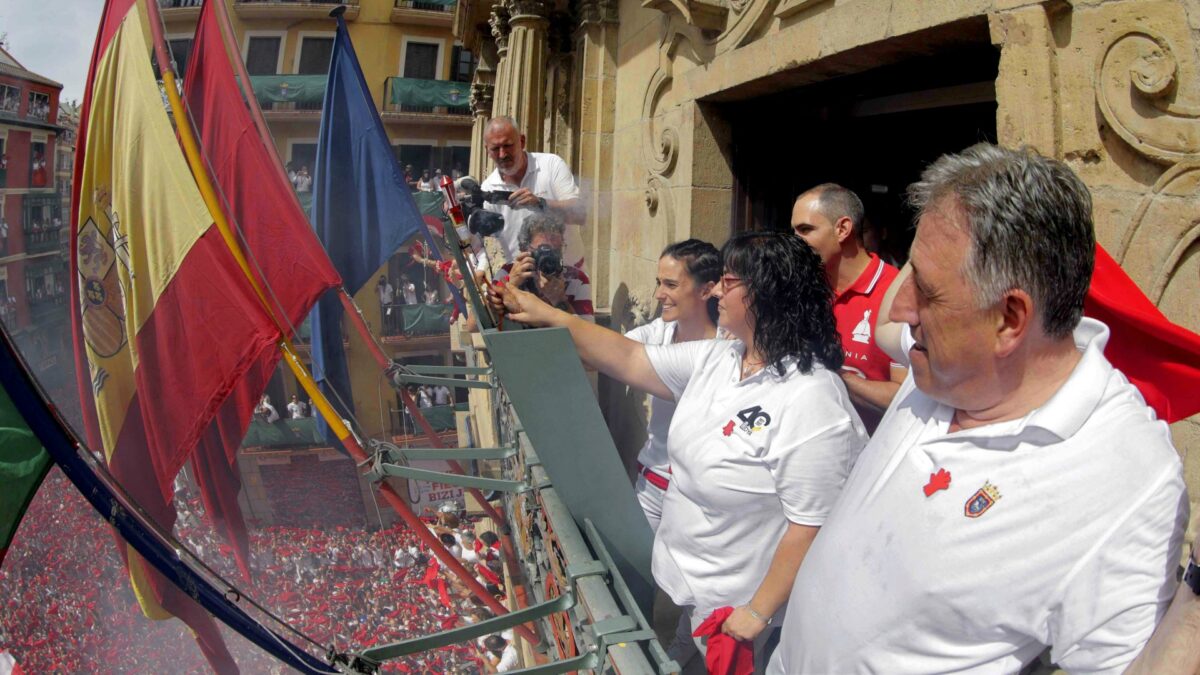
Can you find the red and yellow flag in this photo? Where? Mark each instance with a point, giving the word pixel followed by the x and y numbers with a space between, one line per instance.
pixel 167 323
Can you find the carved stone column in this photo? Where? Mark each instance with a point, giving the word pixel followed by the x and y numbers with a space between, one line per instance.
pixel 561 89
pixel 526 73
pixel 483 89
pixel 594 114
pixel 501 31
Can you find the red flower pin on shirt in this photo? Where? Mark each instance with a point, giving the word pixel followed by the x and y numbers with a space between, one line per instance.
pixel 937 481
pixel 728 429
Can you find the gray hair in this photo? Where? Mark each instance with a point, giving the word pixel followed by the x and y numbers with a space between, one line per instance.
pixel 538 223
pixel 502 121
pixel 1029 219
pixel 836 202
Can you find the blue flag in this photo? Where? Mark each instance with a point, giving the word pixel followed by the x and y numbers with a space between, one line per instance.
pixel 362 209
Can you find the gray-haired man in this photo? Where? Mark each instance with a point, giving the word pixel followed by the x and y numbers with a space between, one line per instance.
pixel 1018 493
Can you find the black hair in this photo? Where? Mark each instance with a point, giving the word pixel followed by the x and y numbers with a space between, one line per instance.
pixel 790 299
pixel 489 537
pixel 448 539
pixel 494 643
pixel 703 263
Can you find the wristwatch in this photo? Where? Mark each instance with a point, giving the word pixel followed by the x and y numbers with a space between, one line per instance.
pixel 542 203
pixel 1191 576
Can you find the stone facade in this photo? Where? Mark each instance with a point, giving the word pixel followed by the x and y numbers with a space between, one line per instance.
pixel 1105 85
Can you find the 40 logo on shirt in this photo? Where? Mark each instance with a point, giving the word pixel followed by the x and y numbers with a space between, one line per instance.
pixel 753 419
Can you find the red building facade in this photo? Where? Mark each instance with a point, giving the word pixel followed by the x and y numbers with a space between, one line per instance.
pixel 33 222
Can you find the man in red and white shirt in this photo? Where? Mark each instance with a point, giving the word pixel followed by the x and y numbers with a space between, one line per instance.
pixel 829 218
pixel 567 288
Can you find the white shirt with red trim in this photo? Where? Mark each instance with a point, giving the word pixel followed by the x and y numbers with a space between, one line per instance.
pixel 971 551
pixel 578 290
pixel 653 454
pixel 747 457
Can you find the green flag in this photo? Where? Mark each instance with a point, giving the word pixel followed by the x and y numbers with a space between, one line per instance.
pixel 23 466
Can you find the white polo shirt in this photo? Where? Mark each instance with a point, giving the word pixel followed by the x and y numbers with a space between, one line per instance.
pixel 1062 528
pixel 548 177
pixel 654 451
pixel 747 457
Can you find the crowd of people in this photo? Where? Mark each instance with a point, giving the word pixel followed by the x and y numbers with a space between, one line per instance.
pixel 895 470
pixel 66 603
pixel 428 180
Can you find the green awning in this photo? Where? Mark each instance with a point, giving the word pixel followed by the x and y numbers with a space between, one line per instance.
pixel 283 433
pixel 425 319
pixel 288 88
pixel 412 91
pixel 441 417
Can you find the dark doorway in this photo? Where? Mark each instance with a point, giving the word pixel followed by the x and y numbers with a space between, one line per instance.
pixel 872 132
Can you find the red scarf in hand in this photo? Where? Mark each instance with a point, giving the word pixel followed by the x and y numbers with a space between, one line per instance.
pixel 724 655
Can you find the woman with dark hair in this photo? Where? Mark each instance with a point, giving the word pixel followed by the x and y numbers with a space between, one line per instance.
pixel 687 272
pixel 763 435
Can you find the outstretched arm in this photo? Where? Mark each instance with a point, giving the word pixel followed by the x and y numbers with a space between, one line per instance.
pixel 607 351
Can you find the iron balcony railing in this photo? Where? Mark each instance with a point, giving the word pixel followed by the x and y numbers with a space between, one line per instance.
pixel 427 5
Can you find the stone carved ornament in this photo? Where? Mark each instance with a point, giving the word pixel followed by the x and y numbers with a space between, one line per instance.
pixel 1137 87
pixel 707 28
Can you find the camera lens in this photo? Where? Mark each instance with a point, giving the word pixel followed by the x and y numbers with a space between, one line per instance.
pixel 485 223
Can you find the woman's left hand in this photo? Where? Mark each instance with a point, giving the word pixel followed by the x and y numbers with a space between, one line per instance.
pixel 741 625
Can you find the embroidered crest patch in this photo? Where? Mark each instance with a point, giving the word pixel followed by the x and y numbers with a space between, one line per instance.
pixel 981 501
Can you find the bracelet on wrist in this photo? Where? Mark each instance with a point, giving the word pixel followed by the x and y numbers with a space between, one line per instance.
pixel 765 619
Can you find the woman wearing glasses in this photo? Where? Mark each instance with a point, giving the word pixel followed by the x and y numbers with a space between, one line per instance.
pixel 763 434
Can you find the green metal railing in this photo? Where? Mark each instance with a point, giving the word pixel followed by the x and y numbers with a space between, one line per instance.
pixel 427 5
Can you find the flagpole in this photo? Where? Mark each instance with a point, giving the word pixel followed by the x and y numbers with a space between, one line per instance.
pixel 360 325
pixel 332 418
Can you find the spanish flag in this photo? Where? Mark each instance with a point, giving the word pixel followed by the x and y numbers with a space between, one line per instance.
pixel 167 323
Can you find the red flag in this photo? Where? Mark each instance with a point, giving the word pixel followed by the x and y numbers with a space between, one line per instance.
pixel 259 201
pixel 167 323
pixel 1160 358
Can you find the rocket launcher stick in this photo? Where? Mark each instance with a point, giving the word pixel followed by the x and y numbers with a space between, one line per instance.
pixel 483 312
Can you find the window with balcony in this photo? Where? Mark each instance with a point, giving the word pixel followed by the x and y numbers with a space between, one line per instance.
pixel 420 60
pixel 38 175
pixel 464 64
pixel 42 226
pixel 262 55
pixel 315 53
pixel 420 63
pixel 10 100
pixel 3 161
pixel 45 284
pixel 304 156
pixel 39 107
